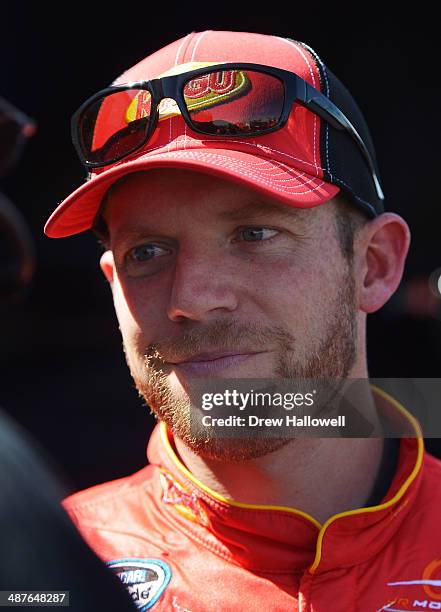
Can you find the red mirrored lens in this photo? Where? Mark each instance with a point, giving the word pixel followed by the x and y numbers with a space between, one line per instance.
pixel 115 125
pixel 231 102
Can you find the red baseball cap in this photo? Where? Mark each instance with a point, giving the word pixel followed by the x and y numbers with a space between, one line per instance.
pixel 304 164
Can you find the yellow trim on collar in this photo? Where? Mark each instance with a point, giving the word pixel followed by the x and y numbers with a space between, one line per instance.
pixel 399 493
pixel 218 496
pixel 322 528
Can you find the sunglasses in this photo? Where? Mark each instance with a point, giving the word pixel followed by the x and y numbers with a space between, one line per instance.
pixel 224 100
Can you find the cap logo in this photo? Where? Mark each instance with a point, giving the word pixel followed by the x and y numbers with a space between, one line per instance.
pixel 215 88
pixel 200 93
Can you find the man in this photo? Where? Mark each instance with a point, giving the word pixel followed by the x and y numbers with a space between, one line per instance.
pixel 242 217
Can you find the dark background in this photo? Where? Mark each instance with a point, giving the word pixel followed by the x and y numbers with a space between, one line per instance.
pixel 62 370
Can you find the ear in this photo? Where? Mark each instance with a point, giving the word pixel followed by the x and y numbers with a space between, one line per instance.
pixel 107 265
pixel 381 249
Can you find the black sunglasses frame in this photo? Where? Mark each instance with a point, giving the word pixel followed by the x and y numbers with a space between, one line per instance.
pixel 296 90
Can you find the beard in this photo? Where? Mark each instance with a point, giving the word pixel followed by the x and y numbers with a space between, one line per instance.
pixel 329 356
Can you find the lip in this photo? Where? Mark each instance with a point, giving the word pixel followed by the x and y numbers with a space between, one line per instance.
pixel 211 363
pixel 212 355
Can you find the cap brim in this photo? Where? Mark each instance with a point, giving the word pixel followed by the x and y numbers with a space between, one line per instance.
pixel 273 178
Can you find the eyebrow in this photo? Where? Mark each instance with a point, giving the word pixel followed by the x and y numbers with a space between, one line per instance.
pixel 260 209
pixel 248 211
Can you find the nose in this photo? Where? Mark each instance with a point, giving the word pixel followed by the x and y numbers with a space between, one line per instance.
pixel 203 288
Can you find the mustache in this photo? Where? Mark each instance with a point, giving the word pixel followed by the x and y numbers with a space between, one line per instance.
pixel 218 336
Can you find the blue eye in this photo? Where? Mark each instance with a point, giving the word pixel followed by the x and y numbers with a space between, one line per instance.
pixel 145 252
pixel 258 234
pixel 146 259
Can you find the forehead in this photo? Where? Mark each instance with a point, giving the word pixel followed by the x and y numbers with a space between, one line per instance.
pixel 168 194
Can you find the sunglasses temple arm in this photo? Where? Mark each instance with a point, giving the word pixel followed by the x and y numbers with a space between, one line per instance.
pixel 323 107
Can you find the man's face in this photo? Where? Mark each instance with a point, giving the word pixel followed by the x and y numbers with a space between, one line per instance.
pixel 211 279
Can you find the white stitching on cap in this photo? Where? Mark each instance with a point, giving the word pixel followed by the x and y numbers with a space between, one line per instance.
pixel 328 93
pixel 264 160
pixel 266 148
pixel 260 179
pixel 201 35
pixel 233 163
pixel 258 146
pixel 311 72
pixel 176 63
pixel 286 168
pixel 292 43
pixel 269 171
pixel 197 44
pixel 340 181
pixel 228 163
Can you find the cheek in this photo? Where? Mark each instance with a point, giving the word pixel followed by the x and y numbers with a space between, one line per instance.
pixel 137 316
pixel 291 287
pixel 302 293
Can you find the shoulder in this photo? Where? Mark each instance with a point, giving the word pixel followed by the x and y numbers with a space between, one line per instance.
pixel 103 503
pixel 122 518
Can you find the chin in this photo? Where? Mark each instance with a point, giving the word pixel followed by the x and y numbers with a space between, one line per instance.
pixel 230 450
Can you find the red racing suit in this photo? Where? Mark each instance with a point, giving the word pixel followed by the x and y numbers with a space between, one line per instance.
pixel 178 545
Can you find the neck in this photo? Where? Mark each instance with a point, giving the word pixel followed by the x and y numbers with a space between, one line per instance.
pixel 319 476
